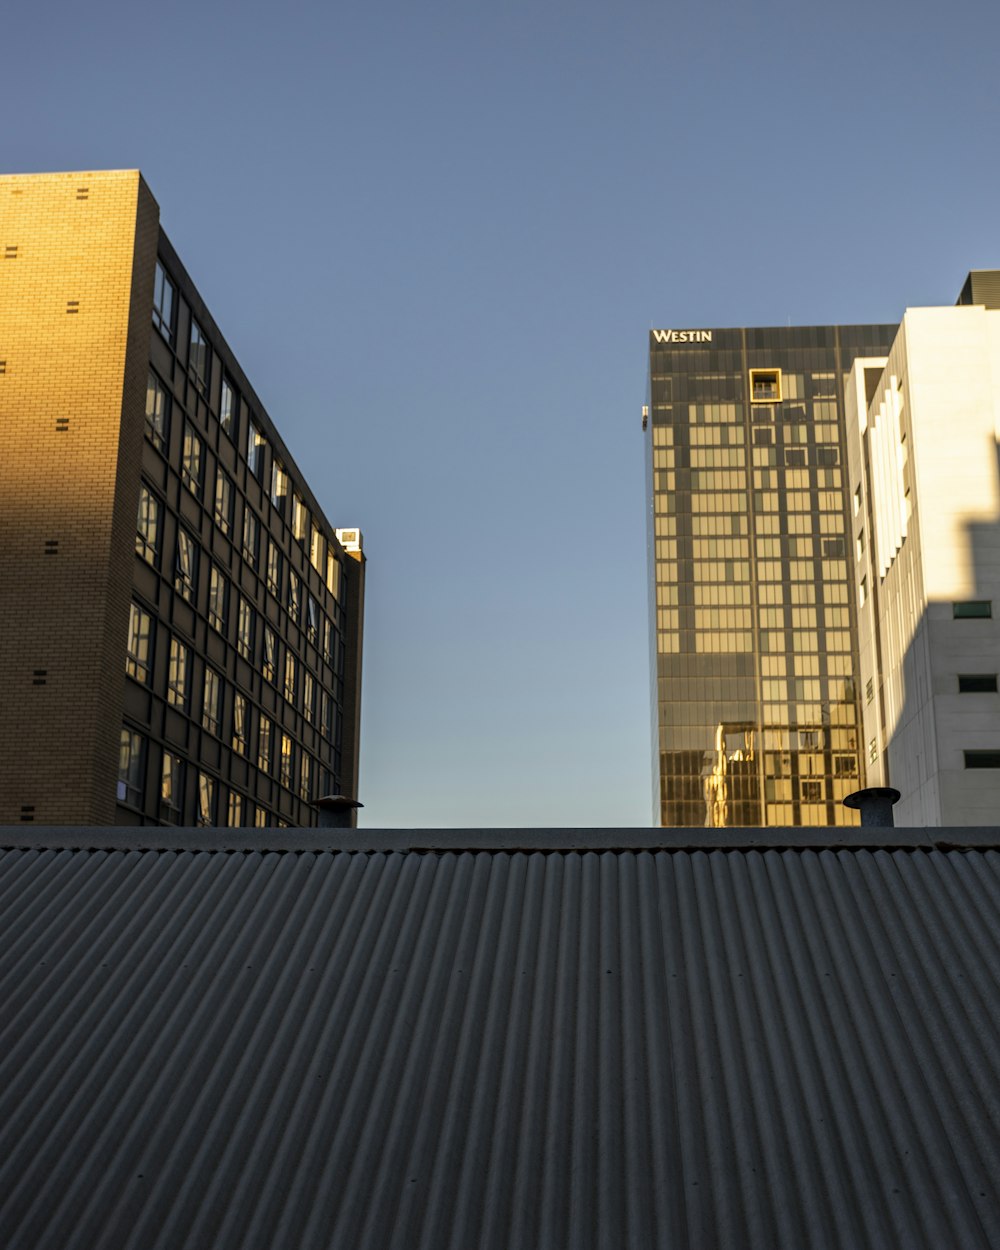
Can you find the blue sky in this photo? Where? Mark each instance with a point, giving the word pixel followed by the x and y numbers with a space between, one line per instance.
pixel 436 236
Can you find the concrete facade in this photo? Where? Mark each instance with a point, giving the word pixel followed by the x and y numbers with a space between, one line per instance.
pixel 923 428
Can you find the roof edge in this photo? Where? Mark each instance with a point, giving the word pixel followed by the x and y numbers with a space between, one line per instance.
pixel 152 838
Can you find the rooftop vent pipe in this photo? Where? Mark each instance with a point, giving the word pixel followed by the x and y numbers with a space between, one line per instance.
pixel 336 811
pixel 875 805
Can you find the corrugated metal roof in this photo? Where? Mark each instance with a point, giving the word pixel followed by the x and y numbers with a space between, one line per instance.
pixel 512 1048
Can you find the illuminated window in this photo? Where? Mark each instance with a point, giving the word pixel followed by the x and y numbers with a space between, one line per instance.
pixel 163 303
pixel 269 666
pixel 305 770
pixel 312 620
pixel 245 630
pixel 256 442
pixel 251 536
pixel 279 487
pixel 147 526
pixel 206 799
pixel 198 356
pixel 260 818
pixel 765 386
pixel 332 574
pixel 178 674
pixel 264 743
pixel 157 412
pixel 294 596
pixel 137 652
pixel 300 518
pixel 211 701
pixel 317 548
pixel 227 408
pixel 186 565
pixel 240 717
pixel 131 767
pixel 287 762
pixel 223 501
pixel 234 813
pixel 191 457
pixel 291 676
pixel 218 596
pixel 274 568
pixel 172 789
pixel 308 695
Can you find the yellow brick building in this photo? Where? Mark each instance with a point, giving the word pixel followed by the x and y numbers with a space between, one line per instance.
pixel 180 626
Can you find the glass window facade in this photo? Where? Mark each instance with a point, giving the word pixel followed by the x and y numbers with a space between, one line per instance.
pixel 752 621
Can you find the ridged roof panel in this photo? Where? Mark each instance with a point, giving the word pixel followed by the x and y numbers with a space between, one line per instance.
pixel 744 1048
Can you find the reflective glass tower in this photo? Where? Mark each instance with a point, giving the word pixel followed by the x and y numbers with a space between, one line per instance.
pixel 753 626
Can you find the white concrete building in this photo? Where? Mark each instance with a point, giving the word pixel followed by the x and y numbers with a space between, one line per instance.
pixel 922 429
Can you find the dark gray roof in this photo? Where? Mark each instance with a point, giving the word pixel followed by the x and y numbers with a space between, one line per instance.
pixel 516 1045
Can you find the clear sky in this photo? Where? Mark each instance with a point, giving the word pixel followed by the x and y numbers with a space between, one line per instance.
pixel 436 235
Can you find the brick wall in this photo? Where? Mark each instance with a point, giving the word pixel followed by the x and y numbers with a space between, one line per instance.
pixel 77 254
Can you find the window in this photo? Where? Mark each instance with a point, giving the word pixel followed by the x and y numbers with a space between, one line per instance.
pixel 765 386
pixel 287 764
pixel 211 701
pixel 294 596
pixel 977 683
pixel 191 461
pixel 218 594
pixel 982 759
pixel 279 487
pixel 131 766
pixel 332 574
pixel 863 591
pixel 812 792
pixel 186 565
pixel 234 814
pixel 308 695
pixel 317 548
pixel 260 818
pixel 300 518
pixel 872 751
pixel 869 689
pixel 326 715
pixel 223 501
pixel 227 408
pixel 157 412
pixel 256 442
pixel 312 620
pixel 270 664
pixel 172 789
pixel 304 777
pixel 273 568
pixel 264 744
pixel 845 766
pixel 147 526
pixel 857 500
pixel 240 717
pixel 972 608
pixel 178 675
pixel 251 536
pixel 198 356
pixel 163 303
pixel 140 632
pixel 206 799
pixel 245 630
pixel 291 676
pixel 859 544
pixel 327 640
